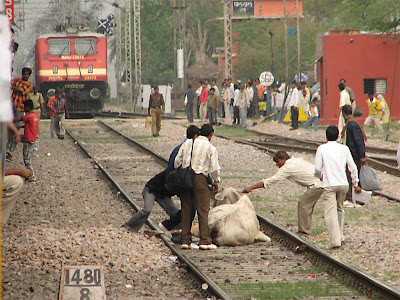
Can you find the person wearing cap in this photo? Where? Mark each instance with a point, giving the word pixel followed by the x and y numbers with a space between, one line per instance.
pixel 156 109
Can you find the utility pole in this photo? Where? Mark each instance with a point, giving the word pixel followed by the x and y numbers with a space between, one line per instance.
pixel 298 42
pixel 118 56
pixel 228 37
pixel 128 52
pixel 286 44
pixel 138 54
pixel 286 62
pixel 179 8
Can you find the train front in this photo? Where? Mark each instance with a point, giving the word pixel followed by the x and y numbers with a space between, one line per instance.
pixel 76 62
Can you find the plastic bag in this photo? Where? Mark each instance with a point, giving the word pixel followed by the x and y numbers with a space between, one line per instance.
pixel 369 180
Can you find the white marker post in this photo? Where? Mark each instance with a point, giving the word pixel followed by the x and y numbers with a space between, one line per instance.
pixel 82 283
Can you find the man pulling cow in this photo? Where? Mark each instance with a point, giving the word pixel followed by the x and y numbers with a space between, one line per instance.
pixel 300 171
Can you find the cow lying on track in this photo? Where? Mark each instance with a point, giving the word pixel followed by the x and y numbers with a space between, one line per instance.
pixel 234 222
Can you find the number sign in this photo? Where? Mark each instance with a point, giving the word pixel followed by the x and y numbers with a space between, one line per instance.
pixel 266 78
pixel 82 283
pixel 243 8
pixel 9 5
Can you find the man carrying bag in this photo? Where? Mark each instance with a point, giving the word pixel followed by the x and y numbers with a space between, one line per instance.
pixel 202 156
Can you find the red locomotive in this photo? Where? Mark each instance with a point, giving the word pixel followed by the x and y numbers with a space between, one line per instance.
pixel 75 61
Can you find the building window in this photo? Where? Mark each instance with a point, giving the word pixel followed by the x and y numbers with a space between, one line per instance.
pixel 376 86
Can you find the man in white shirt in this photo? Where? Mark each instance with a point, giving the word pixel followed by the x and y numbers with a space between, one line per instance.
pixel 244 105
pixel 216 89
pixel 330 165
pixel 204 160
pixel 293 102
pixel 344 100
pixel 302 172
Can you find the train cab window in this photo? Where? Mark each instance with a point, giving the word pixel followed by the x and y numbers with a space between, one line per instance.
pixel 85 46
pixel 59 47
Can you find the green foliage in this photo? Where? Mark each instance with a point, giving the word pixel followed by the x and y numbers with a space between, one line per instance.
pixel 204 34
pixel 157 42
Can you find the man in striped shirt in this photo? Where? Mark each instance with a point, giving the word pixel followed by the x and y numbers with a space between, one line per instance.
pixel 59 106
pixel 21 87
pixel 203 160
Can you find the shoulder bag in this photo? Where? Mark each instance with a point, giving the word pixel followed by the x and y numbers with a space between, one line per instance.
pixel 181 179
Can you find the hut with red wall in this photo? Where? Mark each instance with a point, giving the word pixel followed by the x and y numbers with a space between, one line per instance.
pixel 367 62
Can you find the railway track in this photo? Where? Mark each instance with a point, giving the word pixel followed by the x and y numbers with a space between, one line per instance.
pixel 380 158
pixel 289 259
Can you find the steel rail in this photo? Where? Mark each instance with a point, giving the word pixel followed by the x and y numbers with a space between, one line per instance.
pixel 310 142
pixel 212 287
pixel 128 115
pixel 359 279
pixel 313 149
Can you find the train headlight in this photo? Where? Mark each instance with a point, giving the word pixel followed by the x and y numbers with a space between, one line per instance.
pixel 51 93
pixel 90 69
pixel 55 69
pixel 95 93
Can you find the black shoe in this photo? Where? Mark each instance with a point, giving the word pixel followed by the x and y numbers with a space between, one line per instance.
pixel 293 128
pixel 176 239
pixel 60 137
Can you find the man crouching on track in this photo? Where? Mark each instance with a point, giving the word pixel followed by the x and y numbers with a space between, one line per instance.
pixel 300 171
pixel 154 190
pixel 203 160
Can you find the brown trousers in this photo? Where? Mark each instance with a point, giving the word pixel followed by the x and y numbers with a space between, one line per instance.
pixel 200 198
pixel 156 121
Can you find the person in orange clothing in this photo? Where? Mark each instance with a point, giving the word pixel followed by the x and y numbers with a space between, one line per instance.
pixel 260 95
pixel 21 87
pixel 51 114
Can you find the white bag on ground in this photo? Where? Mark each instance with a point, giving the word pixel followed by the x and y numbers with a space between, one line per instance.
pixel 362 197
pixel 369 180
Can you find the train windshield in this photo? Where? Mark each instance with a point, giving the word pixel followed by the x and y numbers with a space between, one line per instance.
pixel 59 47
pixel 85 46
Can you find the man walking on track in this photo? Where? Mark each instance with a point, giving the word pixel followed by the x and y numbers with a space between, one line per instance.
pixel 374 108
pixel 353 137
pixel 60 108
pixel 330 165
pixel 156 109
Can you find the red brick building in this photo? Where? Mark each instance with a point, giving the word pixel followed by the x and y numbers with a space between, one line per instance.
pixel 367 62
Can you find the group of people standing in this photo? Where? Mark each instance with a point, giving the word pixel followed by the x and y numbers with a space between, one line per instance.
pixel 234 102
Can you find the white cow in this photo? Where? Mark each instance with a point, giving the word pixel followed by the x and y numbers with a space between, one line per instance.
pixel 234 223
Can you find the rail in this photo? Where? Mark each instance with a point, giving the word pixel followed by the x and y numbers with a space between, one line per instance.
pixel 201 277
pixel 358 279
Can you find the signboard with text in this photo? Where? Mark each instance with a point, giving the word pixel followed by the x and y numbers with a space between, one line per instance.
pixel 9 9
pixel 82 282
pixel 243 8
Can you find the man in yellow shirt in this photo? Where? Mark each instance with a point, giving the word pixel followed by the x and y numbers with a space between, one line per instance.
pixel 374 109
